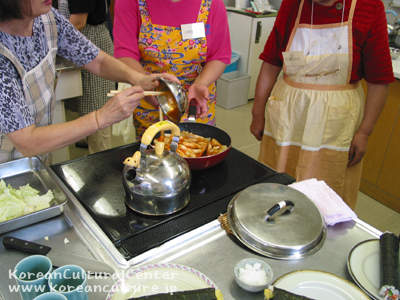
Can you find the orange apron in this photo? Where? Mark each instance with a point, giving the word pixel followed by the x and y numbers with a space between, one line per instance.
pixel 162 50
pixel 313 112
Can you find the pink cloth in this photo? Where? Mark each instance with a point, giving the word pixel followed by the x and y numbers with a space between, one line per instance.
pixel 332 207
pixel 165 12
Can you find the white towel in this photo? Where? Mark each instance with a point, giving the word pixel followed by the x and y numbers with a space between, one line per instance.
pixel 332 207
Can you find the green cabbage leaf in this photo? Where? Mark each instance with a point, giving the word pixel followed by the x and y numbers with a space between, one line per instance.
pixel 15 203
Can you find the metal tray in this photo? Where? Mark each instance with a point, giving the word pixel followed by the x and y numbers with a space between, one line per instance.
pixel 31 170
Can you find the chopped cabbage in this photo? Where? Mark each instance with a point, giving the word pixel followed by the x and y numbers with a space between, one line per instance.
pixel 15 203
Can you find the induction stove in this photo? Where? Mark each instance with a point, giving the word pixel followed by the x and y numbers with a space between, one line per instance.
pixel 96 181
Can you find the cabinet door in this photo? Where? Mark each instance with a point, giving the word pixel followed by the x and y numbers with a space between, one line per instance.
pixel 261 28
pixel 240 34
pixel 248 37
pixel 389 179
pixel 379 140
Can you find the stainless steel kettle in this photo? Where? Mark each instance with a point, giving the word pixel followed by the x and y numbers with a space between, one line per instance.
pixel 157 181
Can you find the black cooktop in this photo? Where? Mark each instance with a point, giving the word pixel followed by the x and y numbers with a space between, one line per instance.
pixel 96 181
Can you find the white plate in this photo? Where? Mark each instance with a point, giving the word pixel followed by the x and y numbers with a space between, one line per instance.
pixel 319 285
pixel 363 265
pixel 158 278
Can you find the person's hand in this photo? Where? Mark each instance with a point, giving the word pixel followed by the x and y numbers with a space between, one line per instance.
pixel 358 148
pixel 200 93
pixel 149 82
pixel 119 107
pixel 257 126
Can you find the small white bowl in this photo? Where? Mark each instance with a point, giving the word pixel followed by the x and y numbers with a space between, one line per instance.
pixel 249 287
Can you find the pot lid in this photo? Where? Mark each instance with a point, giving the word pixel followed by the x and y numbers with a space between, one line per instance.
pixel 287 234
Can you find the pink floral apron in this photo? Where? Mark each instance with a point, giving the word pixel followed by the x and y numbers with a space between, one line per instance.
pixel 163 50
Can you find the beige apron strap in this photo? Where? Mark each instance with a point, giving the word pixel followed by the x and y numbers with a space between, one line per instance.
pixel 296 25
pixel 50 28
pixel 292 34
pixel 319 87
pixel 7 53
pixel 350 37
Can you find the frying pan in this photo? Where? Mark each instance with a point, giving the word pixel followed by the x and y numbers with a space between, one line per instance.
pixel 204 130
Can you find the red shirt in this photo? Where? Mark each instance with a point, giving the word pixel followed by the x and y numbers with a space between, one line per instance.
pixel 371 55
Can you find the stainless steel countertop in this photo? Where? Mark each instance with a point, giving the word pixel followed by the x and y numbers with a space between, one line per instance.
pixel 208 249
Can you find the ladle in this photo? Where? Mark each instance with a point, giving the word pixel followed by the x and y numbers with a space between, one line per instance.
pixel 174 103
pixel 171 98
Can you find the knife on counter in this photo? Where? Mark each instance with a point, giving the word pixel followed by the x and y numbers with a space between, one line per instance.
pixel 58 258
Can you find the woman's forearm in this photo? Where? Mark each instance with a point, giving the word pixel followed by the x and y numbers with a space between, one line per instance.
pixel 114 69
pixel 132 63
pixel 375 101
pixel 374 104
pixel 210 73
pixel 79 20
pixel 265 82
pixel 32 140
pixel 110 68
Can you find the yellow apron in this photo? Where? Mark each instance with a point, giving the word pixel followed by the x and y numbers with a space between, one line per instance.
pixel 162 50
pixel 313 112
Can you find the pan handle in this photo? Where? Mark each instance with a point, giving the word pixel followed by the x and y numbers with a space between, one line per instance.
pixel 192 110
pixel 277 207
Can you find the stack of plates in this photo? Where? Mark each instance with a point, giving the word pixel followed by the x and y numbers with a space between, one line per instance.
pixel 363 265
pixel 319 285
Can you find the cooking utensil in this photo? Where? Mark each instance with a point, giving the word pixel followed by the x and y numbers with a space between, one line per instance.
pixel 58 258
pixel 173 104
pixel 204 130
pixel 112 93
pixel 157 181
pixel 33 171
pixel 292 235
pixel 171 97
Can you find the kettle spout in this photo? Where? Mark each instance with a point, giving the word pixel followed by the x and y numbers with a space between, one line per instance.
pixel 133 161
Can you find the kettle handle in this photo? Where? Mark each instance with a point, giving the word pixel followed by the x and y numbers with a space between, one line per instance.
pixel 157 127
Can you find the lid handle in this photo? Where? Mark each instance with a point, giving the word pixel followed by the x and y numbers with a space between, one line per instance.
pixel 277 207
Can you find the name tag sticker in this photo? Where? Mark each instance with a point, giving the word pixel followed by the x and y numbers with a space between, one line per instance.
pixel 294 58
pixel 193 31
